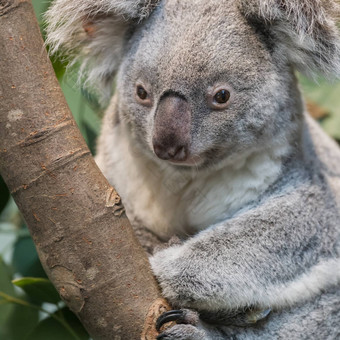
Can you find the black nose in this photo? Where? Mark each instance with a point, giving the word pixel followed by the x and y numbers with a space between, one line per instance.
pixel 172 128
pixel 171 151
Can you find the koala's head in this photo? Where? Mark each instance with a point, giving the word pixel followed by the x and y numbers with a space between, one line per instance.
pixel 200 81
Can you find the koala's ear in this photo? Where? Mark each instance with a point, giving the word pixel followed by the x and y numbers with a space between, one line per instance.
pixel 93 33
pixel 305 31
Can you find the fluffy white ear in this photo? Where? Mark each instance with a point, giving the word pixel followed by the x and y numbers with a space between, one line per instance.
pixel 305 31
pixel 93 32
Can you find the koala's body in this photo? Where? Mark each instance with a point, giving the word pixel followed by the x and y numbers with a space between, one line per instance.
pixel 207 138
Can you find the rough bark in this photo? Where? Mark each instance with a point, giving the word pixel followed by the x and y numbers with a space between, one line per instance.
pixel 76 219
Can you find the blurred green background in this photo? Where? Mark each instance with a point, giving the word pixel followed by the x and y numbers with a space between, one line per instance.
pixel 30 308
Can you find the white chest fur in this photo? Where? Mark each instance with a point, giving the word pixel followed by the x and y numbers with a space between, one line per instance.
pixel 169 201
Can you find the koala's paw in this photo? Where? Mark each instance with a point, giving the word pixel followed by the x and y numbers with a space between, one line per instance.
pixel 183 332
pixel 176 273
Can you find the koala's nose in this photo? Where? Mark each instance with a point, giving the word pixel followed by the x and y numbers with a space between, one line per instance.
pixel 178 153
pixel 172 128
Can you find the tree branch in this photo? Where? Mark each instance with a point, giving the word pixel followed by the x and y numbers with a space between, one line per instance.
pixel 82 235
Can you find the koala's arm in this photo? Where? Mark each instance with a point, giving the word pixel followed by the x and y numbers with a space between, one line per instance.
pixel 274 255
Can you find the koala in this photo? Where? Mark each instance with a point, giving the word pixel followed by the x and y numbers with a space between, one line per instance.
pixel 207 139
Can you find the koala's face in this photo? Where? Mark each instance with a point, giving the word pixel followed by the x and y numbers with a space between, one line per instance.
pixel 198 85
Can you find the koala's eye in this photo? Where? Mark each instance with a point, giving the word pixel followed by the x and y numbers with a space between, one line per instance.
pixel 143 96
pixel 141 92
pixel 222 97
pixel 218 97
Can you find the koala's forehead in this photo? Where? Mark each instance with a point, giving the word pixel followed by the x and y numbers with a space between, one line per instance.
pixel 200 37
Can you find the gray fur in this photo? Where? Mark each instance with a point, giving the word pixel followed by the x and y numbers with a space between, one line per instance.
pixel 305 31
pixel 257 201
pixel 101 52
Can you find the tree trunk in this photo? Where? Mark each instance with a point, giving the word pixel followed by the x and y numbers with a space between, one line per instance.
pixel 76 219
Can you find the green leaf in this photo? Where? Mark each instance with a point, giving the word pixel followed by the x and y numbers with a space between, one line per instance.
pixel 75 324
pixel 59 67
pixel 5 309
pixel 40 7
pixel 38 289
pixel 25 258
pixel 51 329
pixel 80 106
pixel 4 194
pixel 90 137
pixel 21 321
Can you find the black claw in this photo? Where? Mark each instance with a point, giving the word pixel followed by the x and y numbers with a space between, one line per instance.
pixel 173 315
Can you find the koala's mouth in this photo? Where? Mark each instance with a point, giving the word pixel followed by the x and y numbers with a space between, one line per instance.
pixel 206 159
pixel 194 161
